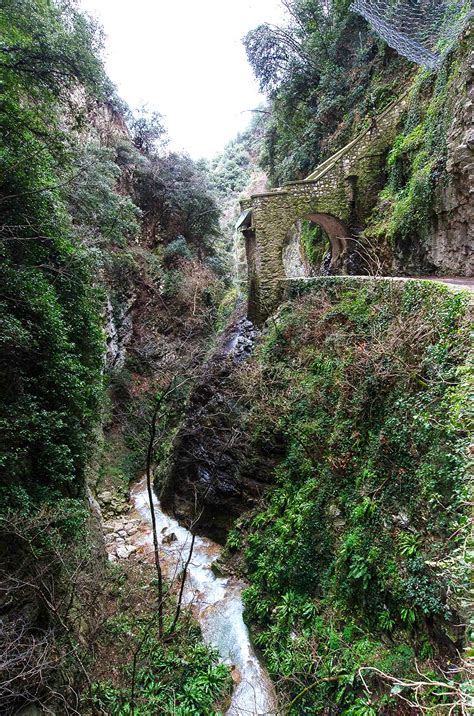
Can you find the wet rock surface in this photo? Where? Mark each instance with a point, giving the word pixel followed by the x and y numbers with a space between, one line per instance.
pixel 118 330
pixel 111 503
pixel 211 466
pixel 238 342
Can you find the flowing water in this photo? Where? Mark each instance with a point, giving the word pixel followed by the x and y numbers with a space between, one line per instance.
pixel 215 601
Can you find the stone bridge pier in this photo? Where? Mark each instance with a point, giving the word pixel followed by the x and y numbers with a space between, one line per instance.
pixel 338 196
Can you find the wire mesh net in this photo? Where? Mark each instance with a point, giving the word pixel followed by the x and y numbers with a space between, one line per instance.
pixel 422 30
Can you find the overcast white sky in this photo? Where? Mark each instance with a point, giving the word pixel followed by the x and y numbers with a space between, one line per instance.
pixel 185 59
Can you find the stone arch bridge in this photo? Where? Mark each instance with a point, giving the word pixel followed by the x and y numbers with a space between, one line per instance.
pixel 338 195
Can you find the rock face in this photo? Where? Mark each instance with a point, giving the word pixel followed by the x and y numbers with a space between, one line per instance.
pixel 118 330
pixel 294 260
pixel 212 472
pixel 111 503
pixel 451 246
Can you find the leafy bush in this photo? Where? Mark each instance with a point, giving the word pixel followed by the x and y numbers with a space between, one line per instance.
pixel 176 250
pixel 172 283
pixel 186 680
pixel 181 676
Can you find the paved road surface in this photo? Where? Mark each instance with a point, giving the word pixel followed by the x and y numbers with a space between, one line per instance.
pixel 466 282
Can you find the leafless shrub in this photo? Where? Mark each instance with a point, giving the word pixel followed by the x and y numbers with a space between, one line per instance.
pixel 50 613
pixel 453 687
pixel 28 659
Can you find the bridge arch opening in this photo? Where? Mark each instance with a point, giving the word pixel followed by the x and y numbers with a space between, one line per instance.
pixel 313 245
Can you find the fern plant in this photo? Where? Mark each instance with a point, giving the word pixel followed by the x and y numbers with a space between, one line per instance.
pixel 408 544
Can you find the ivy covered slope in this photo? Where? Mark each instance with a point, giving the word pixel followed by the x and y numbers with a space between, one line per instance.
pixel 356 560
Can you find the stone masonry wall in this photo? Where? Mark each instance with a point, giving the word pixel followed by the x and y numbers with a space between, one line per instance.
pixel 340 196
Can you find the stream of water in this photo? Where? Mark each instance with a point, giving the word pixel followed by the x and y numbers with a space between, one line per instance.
pixel 216 603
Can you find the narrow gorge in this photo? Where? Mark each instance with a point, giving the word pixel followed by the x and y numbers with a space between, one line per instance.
pixel 236 391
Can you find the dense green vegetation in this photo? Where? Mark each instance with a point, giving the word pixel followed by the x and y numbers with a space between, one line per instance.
pixel 71 212
pixel 417 163
pixel 50 312
pixel 190 678
pixel 324 73
pixel 357 559
pixel 179 678
pixel 92 213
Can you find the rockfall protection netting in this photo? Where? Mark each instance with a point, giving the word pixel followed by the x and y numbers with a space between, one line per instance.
pixel 422 30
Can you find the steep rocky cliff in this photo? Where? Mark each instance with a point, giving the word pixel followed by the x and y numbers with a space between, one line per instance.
pixel 450 249
pixel 211 475
pixel 422 222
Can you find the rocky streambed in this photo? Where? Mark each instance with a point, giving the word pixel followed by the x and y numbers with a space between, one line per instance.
pixel 216 601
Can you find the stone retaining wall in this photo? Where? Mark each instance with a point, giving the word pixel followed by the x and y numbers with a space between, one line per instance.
pixel 338 196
